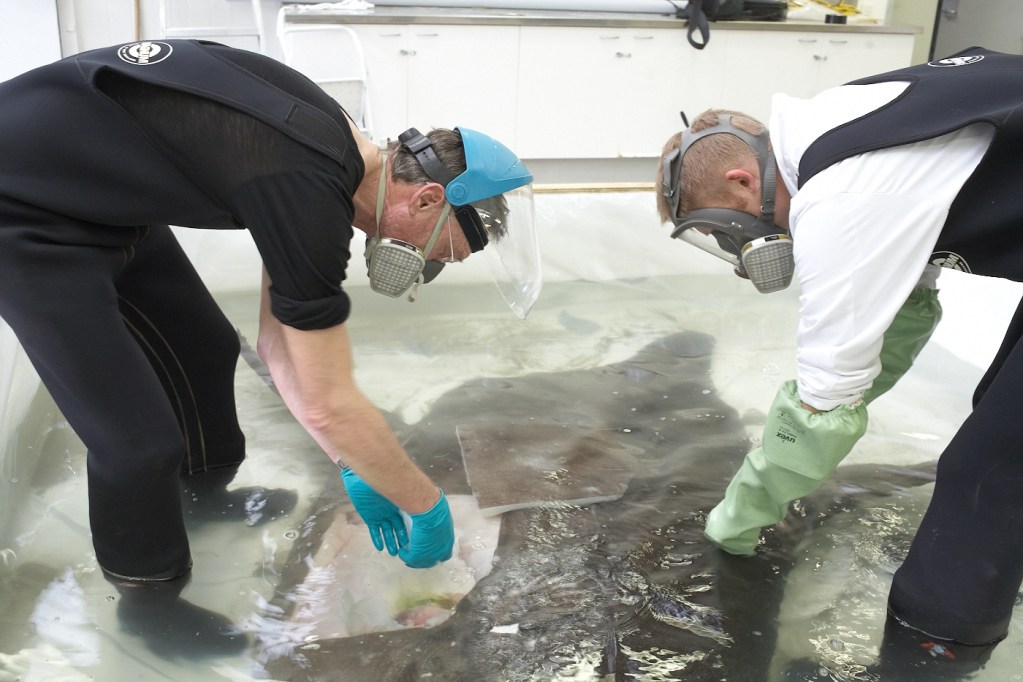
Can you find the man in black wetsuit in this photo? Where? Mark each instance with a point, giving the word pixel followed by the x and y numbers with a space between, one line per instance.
pixel 100 152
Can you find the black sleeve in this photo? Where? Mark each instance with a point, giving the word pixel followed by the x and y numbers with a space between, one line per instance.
pixel 302 225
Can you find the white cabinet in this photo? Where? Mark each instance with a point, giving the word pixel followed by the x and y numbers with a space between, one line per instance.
pixel 607 92
pixel 439 76
pixel 595 92
pixel 802 63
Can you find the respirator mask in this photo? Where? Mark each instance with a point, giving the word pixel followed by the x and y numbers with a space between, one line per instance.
pixel 395 266
pixel 753 245
pixel 492 201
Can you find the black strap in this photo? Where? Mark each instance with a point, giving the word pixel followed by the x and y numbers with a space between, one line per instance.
pixel 199 71
pixel 422 148
pixel 697 21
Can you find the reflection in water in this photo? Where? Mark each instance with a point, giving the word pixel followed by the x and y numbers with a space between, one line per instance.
pixel 169 626
pixel 622 589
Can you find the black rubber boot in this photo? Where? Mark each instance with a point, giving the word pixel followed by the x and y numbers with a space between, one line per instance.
pixel 909 654
pixel 936 615
pixel 172 627
pixel 206 498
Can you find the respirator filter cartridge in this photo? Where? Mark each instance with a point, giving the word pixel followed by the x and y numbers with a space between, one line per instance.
pixel 768 262
pixel 394 266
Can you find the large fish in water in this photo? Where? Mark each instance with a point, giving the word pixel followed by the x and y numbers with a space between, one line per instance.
pixel 614 580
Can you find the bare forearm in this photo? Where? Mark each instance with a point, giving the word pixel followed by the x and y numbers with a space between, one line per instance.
pixel 312 371
pixel 363 441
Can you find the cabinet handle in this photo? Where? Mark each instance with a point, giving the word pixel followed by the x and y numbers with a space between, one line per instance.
pixel 642 37
pixel 610 37
pixel 625 55
pixel 427 35
pixel 838 42
pixel 408 53
pixel 390 35
pixel 807 41
pixel 820 57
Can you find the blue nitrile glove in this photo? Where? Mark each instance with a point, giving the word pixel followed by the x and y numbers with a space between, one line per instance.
pixel 799 451
pixel 433 536
pixel 380 514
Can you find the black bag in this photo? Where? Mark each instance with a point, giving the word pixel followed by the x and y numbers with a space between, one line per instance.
pixel 698 12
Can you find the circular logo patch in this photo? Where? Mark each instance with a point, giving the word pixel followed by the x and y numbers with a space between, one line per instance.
pixel 952 261
pixel 956 61
pixel 145 53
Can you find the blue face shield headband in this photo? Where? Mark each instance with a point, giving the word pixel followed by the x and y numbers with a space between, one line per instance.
pixel 468 218
pixel 493 204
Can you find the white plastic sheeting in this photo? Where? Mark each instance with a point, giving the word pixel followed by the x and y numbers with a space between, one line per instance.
pixel 602 236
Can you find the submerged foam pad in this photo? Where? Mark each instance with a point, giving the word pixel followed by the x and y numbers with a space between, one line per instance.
pixel 519 466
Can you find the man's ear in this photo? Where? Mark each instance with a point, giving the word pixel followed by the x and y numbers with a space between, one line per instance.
pixel 742 177
pixel 427 196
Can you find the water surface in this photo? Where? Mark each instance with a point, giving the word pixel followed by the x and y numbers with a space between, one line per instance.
pixel 673 372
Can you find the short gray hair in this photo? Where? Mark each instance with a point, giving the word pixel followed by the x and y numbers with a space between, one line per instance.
pixel 447 145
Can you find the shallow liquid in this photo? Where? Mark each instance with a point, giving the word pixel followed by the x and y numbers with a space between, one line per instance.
pixel 678 370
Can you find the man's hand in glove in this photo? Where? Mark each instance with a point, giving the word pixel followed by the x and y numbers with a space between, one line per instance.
pixel 432 536
pixel 386 527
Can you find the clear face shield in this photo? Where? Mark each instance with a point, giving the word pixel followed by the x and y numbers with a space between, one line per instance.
pixel 493 204
pixel 510 226
pixel 758 250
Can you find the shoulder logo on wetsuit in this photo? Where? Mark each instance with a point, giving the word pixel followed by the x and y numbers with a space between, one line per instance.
pixel 145 53
pixel 952 261
pixel 957 61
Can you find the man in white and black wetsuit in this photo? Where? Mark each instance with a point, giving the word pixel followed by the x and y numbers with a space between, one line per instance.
pixel 100 152
pixel 881 182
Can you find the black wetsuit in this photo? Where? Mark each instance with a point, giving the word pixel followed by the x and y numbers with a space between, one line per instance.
pixel 99 153
pixel 963 572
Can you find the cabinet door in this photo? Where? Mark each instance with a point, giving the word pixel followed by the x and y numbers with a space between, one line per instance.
pixel 568 92
pixel 760 63
pixel 803 63
pixel 847 57
pixel 387 65
pixel 608 92
pixel 661 75
pixel 464 76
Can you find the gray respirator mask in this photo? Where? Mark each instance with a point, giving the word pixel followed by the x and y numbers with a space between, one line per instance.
pixel 753 245
pixel 394 266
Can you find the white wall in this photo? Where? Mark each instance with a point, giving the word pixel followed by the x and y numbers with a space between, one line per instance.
pixel 88 24
pixel 995 24
pixel 917 13
pixel 29 36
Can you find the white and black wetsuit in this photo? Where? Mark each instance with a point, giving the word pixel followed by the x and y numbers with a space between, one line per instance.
pixel 99 153
pixel 871 181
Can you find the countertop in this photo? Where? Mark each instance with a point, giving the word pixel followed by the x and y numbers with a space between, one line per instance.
pixel 305 14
